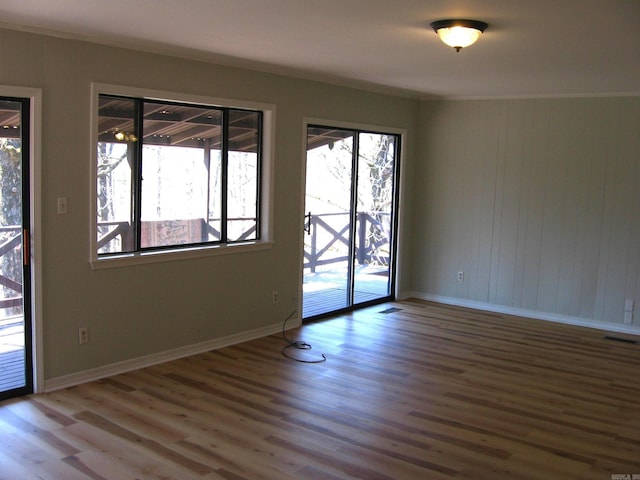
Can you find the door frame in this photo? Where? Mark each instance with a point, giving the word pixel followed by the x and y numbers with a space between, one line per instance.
pixel 399 213
pixel 35 123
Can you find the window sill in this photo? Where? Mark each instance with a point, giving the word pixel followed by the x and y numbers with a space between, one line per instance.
pixel 160 256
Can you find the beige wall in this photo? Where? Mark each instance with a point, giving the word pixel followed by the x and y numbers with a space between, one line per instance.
pixel 537 201
pixel 141 310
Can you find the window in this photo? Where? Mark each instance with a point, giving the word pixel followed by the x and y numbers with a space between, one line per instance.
pixel 171 174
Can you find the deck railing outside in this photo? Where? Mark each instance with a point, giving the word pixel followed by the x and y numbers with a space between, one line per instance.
pixel 10 245
pixel 328 241
pixel 123 233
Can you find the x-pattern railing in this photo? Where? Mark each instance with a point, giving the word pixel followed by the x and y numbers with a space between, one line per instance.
pixel 12 242
pixel 124 230
pixel 329 241
pixel 372 238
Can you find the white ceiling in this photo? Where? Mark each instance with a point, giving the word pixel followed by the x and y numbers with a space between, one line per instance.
pixel 531 48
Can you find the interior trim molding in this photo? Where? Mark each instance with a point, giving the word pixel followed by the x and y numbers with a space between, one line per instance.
pixel 521 312
pixel 542 96
pixel 98 373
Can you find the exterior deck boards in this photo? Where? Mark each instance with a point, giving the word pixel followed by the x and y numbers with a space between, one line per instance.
pixel 12 370
pixel 12 354
pixel 330 300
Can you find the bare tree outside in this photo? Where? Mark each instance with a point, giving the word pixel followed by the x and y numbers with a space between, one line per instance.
pixel 114 181
pixel 11 222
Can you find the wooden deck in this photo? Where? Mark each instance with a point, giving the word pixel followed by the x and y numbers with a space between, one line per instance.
pixel 12 370
pixel 409 391
pixel 331 299
pixel 12 360
pixel 325 292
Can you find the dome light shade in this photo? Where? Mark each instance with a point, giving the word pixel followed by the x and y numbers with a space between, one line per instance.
pixel 459 33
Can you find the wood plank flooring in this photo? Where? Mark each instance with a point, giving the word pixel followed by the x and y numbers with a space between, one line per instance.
pixel 410 390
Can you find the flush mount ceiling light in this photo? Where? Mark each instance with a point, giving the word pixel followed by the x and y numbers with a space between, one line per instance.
pixel 459 33
pixel 124 137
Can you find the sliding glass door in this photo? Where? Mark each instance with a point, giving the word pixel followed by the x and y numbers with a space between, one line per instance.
pixel 15 321
pixel 350 200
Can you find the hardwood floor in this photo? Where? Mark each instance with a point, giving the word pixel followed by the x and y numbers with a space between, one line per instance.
pixel 410 390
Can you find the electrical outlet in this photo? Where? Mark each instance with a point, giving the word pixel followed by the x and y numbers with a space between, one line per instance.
pixel 62 205
pixel 83 335
pixel 461 276
pixel 274 296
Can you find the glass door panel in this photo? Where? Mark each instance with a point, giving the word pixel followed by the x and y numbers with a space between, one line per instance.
pixel 15 351
pixel 328 222
pixel 374 208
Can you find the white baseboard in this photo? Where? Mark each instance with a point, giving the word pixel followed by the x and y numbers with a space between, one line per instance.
pixel 90 375
pixel 521 312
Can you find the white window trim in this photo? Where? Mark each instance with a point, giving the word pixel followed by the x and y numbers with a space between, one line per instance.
pixel 173 254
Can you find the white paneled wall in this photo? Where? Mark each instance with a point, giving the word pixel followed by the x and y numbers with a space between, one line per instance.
pixel 537 201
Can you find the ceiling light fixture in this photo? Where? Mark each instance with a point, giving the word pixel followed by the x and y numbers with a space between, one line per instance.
pixel 458 33
pixel 124 137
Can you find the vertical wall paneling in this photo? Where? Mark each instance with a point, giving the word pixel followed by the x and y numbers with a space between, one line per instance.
pixel 524 194
pixel 534 212
pixel 536 200
pixel 620 201
pixel 633 263
pixel 552 210
pixel 596 142
pixel 509 202
pixel 484 167
pixel 604 253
